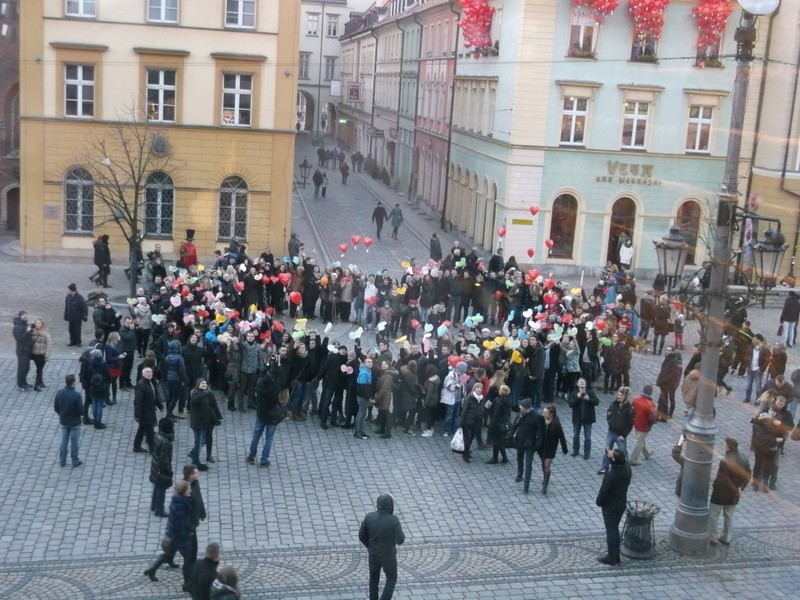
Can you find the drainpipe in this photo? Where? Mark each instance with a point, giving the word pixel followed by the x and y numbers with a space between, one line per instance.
pixel 786 159
pixel 374 73
pixel 416 112
pixel 399 87
pixel 318 135
pixel 443 220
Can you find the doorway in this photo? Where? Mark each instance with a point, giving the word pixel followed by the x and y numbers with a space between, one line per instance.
pixel 623 218
pixel 12 210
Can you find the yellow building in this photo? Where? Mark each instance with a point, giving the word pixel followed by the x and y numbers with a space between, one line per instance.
pixel 213 87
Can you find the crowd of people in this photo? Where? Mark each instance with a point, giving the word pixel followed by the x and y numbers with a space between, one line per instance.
pixel 461 345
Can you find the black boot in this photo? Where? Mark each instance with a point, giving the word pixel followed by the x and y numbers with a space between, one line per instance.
pixel 151 572
pixel 545 483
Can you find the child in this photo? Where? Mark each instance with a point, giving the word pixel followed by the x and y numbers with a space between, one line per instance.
pixel 679 324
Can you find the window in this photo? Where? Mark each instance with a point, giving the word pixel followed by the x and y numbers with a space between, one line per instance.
pixel 161 95
pixel 240 13
pixel 330 68
pixel 475 103
pixel 82 8
pixel 233 209
pixel 562 226
pixel 699 132
pixel 162 11
pixel 305 60
pixel 78 201
pixel 159 194
pixel 79 91
pixel 582 32
pixel 333 26
pixel 634 128
pixel 237 96
pixel 644 48
pixel 708 55
pixel 573 121
pixel 312 24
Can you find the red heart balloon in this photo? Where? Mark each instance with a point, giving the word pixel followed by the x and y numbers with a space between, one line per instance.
pixel 277 326
pixel 414 324
pixel 501 232
pixel 371 300
pixel 453 360
pixel 600 324
pixel 274 279
pixel 295 297
pixel 285 278
pixel 343 248
pixel 534 210
pixel 355 239
pixel 234 314
pixel 238 286
pixel 368 241
pixel 531 252
pixel 270 310
pixel 498 294
pixel 549 243
pixel 549 283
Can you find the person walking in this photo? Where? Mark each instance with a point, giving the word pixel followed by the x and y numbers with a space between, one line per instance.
pixel 789 317
pixel 732 478
pixel 179 533
pixel 68 405
pixel 644 417
pixel 582 401
pixel 552 435
pixel 381 533
pixel 396 218
pixel 316 178
pixel 472 417
pixel 102 259
pixel 527 432
pixel 619 417
pixel 757 359
pixel 177 378
pixel 145 401
pixel 203 573
pixel 613 499
pixel 42 345
pixel 669 379
pixel 269 412
pixel 24 342
pixel 324 185
pixel 379 216
pixel 76 311
pixel 198 513
pixel 200 417
pixel 161 465
pixel 435 247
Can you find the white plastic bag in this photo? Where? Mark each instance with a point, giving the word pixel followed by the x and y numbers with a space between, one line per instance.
pixel 457 443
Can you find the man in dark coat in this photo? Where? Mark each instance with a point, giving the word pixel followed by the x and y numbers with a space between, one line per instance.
pixel 496 262
pixel 379 215
pixel 436 247
pixel 145 401
pixel 619 417
pixel 68 405
pixel 613 498
pixel 732 478
pixel 669 378
pixel 22 336
pixel 381 533
pixel 332 378
pixel 535 371
pixel 269 412
pixel 316 178
pixel 76 311
pixel 197 513
pixel 582 401
pixel 102 258
pixel 203 573
pixel 529 432
pixel 789 317
pixel 105 317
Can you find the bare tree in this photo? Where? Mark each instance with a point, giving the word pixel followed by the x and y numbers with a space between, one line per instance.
pixel 120 163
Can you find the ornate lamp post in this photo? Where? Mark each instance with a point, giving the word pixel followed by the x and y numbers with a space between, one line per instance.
pixel 305 169
pixel 672 252
pixel 689 531
pixel 767 257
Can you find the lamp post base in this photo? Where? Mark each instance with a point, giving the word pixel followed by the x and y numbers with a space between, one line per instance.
pixel 688 543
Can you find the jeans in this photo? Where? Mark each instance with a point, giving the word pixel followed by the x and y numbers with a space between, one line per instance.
pixel 389 566
pixel 451 418
pixel 537 394
pixel 257 431
pixel 157 499
pixel 71 436
pixel 587 438
pixel 363 403
pixel 370 315
pixel 753 377
pixel 525 459
pixel 23 366
pixel 612 439
pixel 97 410
pixel 789 328
pixel 611 519
pixel 199 440
pixel 727 521
pixel 298 395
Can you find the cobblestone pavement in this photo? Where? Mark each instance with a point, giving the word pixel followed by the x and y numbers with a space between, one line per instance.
pixel 291 530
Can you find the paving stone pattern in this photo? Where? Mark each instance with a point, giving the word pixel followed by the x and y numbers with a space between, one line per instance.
pixel 291 530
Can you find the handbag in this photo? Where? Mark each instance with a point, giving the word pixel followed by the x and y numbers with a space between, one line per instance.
pixel 795 435
pixel 457 443
pixel 166 544
pixel 780 328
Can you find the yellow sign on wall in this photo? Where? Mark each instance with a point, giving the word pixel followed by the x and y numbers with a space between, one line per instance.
pixel 522 221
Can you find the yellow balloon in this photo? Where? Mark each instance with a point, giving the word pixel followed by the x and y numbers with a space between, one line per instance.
pixel 253 308
pixel 201 268
pixel 516 357
pixel 489 345
pixel 500 340
pixel 401 339
pixel 401 290
pixel 220 319
pixel 405 264
pixel 575 291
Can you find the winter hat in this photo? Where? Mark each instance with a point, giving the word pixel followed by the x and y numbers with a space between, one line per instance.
pixel 461 368
pixel 648 390
pixel 72 287
pixel 166 425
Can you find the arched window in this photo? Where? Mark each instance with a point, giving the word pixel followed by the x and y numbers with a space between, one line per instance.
pixel 78 201
pixel 159 205
pixel 562 226
pixel 233 199
pixel 689 215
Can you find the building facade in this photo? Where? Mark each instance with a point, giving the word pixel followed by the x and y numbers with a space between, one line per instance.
pixel 9 115
pixel 213 83
pixel 319 63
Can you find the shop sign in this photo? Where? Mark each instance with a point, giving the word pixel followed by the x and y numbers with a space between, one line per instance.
pixel 628 174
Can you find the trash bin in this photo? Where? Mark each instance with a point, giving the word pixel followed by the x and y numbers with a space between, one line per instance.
pixel 638 534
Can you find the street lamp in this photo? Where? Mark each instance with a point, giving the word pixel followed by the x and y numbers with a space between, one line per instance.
pixel 672 252
pixel 305 169
pixel 689 532
pixel 767 257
